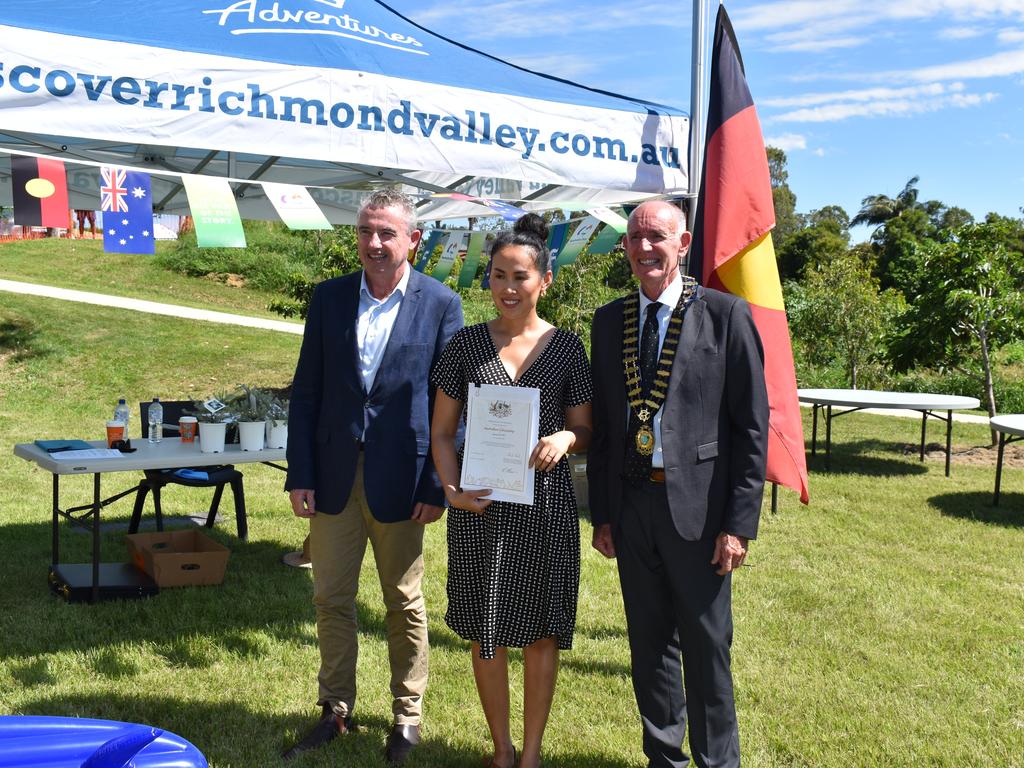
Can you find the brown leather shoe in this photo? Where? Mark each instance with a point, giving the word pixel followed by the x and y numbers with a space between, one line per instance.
pixel 328 728
pixel 401 741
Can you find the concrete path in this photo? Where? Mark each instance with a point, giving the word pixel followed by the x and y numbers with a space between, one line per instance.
pixel 151 307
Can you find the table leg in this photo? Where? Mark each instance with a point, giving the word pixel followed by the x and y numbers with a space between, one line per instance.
pixel 814 430
pixel 96 537
pixel 924 430
pixel 56 520
pixel 828 438
pixel 949 438
pixel 999 468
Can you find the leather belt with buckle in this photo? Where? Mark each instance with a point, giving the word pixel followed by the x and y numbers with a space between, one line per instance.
pixel 657 475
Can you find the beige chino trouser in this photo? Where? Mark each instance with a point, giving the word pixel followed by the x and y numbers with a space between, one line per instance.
pixel 337 545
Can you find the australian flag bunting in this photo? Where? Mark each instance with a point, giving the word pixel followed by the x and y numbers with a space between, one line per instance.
pixel 127 206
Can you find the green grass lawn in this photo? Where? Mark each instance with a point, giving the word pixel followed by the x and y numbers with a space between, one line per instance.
pixel 83 265
pixel 881 626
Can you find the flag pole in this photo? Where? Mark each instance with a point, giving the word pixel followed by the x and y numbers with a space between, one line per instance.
pixel 698 65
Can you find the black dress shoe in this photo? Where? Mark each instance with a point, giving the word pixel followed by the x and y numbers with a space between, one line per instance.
pixel 327 729
pixel 401 741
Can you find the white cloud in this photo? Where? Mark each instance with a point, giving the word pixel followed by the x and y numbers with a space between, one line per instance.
pixel 787 142
pixel 820 44
pixel 1010 36
pixel 960 33
pixel 862 95
pixel 472 20
pixel 565 65
pixel 812 25
pixel 997 65
pixel 897 107
pixel 819 152
pixel 808 13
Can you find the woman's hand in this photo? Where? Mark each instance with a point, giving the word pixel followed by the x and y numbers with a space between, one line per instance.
pixel 550 450
pixel 468 500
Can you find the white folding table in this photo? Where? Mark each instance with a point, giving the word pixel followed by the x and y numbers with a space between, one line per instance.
pixel 1011 429
pixel 859 399
pixel 170 453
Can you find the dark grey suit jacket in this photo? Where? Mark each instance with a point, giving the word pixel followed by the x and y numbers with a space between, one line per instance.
pixel 714 427
pixel 329 406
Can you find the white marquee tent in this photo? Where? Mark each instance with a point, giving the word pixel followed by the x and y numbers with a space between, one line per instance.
pixel 332 94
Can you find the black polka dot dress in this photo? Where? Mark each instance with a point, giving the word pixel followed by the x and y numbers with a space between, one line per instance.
pixel 514 572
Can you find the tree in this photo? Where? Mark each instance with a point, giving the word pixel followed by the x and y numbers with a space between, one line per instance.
pixel 876 210
pixel 824 237
pixel 971 304
pixel 839 316
pixel 783 198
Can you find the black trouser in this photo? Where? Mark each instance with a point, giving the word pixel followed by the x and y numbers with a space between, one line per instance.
pixel 676 606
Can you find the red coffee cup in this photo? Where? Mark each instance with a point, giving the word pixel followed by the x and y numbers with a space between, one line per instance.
pixel 115 431
pixel 187 428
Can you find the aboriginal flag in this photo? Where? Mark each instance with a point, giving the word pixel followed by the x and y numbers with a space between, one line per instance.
pixel 40 192
pixel 732 245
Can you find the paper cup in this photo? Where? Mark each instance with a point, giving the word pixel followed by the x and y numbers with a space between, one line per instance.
pixel 115 431
pixel 187 427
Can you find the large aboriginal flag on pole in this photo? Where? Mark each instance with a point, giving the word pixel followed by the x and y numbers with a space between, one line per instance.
pixel 732 244
pixel 40 192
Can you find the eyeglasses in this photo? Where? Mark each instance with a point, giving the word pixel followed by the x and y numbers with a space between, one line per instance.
pixel 124 446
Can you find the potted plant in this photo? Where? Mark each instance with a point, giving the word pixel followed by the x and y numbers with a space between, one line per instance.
pixel 252 405
pixel 277 422
pixel 213 416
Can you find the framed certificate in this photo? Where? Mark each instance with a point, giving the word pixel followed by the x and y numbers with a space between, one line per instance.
pixel 501 430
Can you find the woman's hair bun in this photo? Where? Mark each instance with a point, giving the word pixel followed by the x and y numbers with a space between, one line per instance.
pixel 532 224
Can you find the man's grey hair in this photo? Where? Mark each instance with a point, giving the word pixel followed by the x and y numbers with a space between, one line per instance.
pixel 390 197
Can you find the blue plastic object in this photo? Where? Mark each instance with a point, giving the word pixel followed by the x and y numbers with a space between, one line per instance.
pixel 71 742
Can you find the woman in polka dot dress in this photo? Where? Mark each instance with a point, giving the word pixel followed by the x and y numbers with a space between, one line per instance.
pixel 513 569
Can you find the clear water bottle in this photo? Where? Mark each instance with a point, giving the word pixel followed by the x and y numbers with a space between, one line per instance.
pixel 155 417
pixel 123 415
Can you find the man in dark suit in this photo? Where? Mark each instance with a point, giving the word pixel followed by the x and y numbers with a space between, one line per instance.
pixel 676 471
pixel 359 462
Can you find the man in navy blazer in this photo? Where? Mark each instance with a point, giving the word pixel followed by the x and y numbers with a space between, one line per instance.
pixel 359 463
pixel 676 470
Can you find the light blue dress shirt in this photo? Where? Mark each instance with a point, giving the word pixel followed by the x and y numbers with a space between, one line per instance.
pixel 374 322
pixel 668 299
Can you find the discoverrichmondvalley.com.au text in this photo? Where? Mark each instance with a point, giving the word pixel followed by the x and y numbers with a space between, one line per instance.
pixel 470 127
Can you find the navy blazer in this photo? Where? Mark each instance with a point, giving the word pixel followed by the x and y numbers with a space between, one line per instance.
pixel 329 406
pixel 714 428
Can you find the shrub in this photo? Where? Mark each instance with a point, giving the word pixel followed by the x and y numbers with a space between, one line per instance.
pixel 272 255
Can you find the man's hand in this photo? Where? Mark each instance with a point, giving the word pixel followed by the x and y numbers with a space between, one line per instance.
pixel 602 540
pixel 424 514
pixel 303 502
pixel 730 552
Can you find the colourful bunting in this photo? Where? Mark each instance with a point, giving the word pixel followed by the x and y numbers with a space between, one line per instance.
pixel 214 212
pixel 472 260
pixel 295 206
pixel 126 203
pixel 40 192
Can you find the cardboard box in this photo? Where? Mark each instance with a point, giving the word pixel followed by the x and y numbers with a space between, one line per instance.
pixel 179 558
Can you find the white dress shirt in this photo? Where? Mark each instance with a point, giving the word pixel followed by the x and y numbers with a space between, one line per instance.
pixel 374 322
pixel 668 300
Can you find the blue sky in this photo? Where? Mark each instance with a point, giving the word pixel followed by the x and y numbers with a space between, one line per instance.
pixel 861 96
